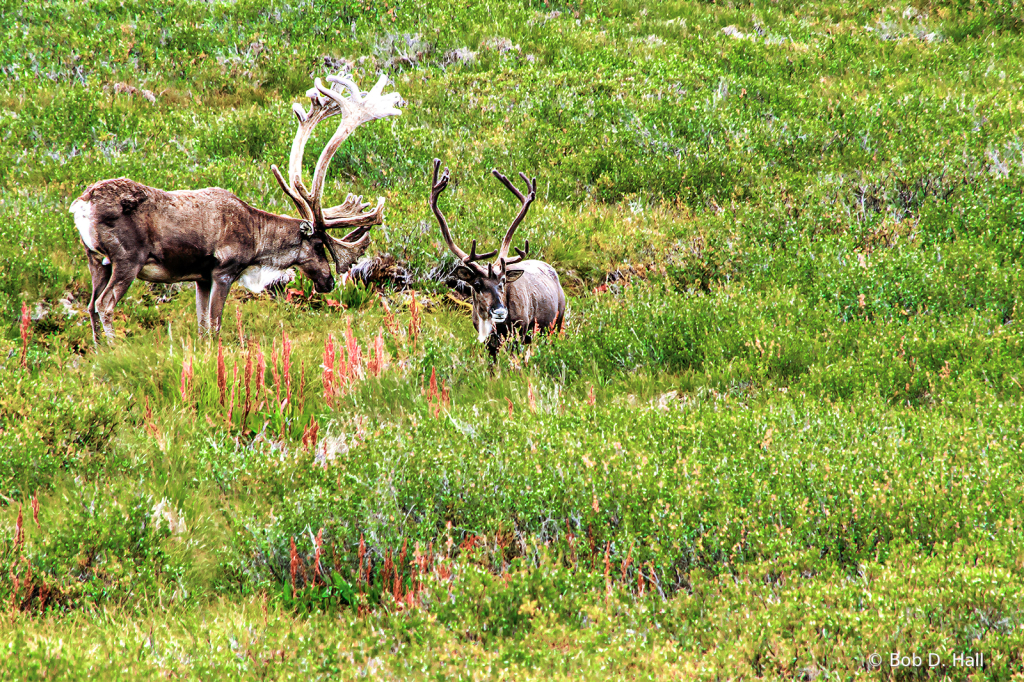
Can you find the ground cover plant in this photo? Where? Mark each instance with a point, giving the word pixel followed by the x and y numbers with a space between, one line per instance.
pixel 781 432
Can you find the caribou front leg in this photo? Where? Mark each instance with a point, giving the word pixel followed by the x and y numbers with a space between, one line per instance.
pixel 203 306
pixel 121 277
pixel 218 296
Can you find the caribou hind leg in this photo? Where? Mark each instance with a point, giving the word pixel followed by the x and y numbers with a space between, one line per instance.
pixel 100 278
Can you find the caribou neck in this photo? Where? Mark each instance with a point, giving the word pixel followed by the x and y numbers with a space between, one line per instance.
pixel 274 235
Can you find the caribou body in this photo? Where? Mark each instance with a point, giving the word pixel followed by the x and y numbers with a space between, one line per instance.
pixel 508 302
pixel 213 238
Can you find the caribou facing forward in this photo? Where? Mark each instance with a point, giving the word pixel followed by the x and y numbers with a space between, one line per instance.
pixel 506 302
pixel 213 238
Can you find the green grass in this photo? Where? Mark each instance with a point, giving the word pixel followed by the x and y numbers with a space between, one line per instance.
pixel 781 432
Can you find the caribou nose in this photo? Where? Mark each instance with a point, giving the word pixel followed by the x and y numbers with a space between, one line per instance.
pixel 325 286
pixel 499 314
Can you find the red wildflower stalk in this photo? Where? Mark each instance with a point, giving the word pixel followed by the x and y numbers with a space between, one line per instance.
pixel 286 356
pixel 25 328
pixel 387 571
pixel 151 428
pixel 294 566
pixel 261 372
pixel 19 531
pixel 248 389
pixel 234 386
pixel 187 380
pixel 222 380
pixel 35 507
pixel 377 363
pixel 342 371
pixel 238 321
pixel 362 556
pixel 414 320
pixel 530 398
pixel 328 369
pixel 509 401
pixel 309 435
pixel 389 318
pixel 432 393
pixel 398 582
pixel 277 379
pixel 354 359
pixel 318 544
pixel 591 399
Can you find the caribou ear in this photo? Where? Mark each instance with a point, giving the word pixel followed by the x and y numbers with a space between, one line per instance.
pixel 306 228
pixel 464 273
pixel 513 275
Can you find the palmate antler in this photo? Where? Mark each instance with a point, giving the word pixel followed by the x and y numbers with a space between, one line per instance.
pixel 356 108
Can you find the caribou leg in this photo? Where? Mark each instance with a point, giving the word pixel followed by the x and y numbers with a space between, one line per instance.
pixel 100 277
pixel 218 296
pixel 121 277
pixel 203 306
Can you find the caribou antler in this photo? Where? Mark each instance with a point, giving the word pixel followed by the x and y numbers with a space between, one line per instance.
pixel 356 108
pixel 436 187
pixel 526 201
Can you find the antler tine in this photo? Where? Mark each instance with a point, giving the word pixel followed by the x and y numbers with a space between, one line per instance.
pixel 523 254
pixel 436 187
pixel 526 201
pixel 508 183
pixel 474 256
pixel 353 213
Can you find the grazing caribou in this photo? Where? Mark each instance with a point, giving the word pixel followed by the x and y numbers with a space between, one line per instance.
pixel 506 302
pixel 213 238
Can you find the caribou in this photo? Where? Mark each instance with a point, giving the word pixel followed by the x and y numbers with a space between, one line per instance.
pixel 507 302
pixel 213 238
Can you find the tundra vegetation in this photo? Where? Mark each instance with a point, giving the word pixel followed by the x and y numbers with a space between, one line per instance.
pixel 780 433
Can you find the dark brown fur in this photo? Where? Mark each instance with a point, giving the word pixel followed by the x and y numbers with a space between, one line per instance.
pixel 208 236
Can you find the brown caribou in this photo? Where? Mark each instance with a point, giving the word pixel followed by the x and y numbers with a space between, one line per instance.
pixel 507 302
pixel 213 238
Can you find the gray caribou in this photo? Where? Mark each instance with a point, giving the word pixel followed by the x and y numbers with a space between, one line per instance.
pixel 507 301
pixel 213 238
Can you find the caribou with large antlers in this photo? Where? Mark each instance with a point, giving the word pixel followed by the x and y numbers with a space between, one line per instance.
pixel 506 301
pixel 213 238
